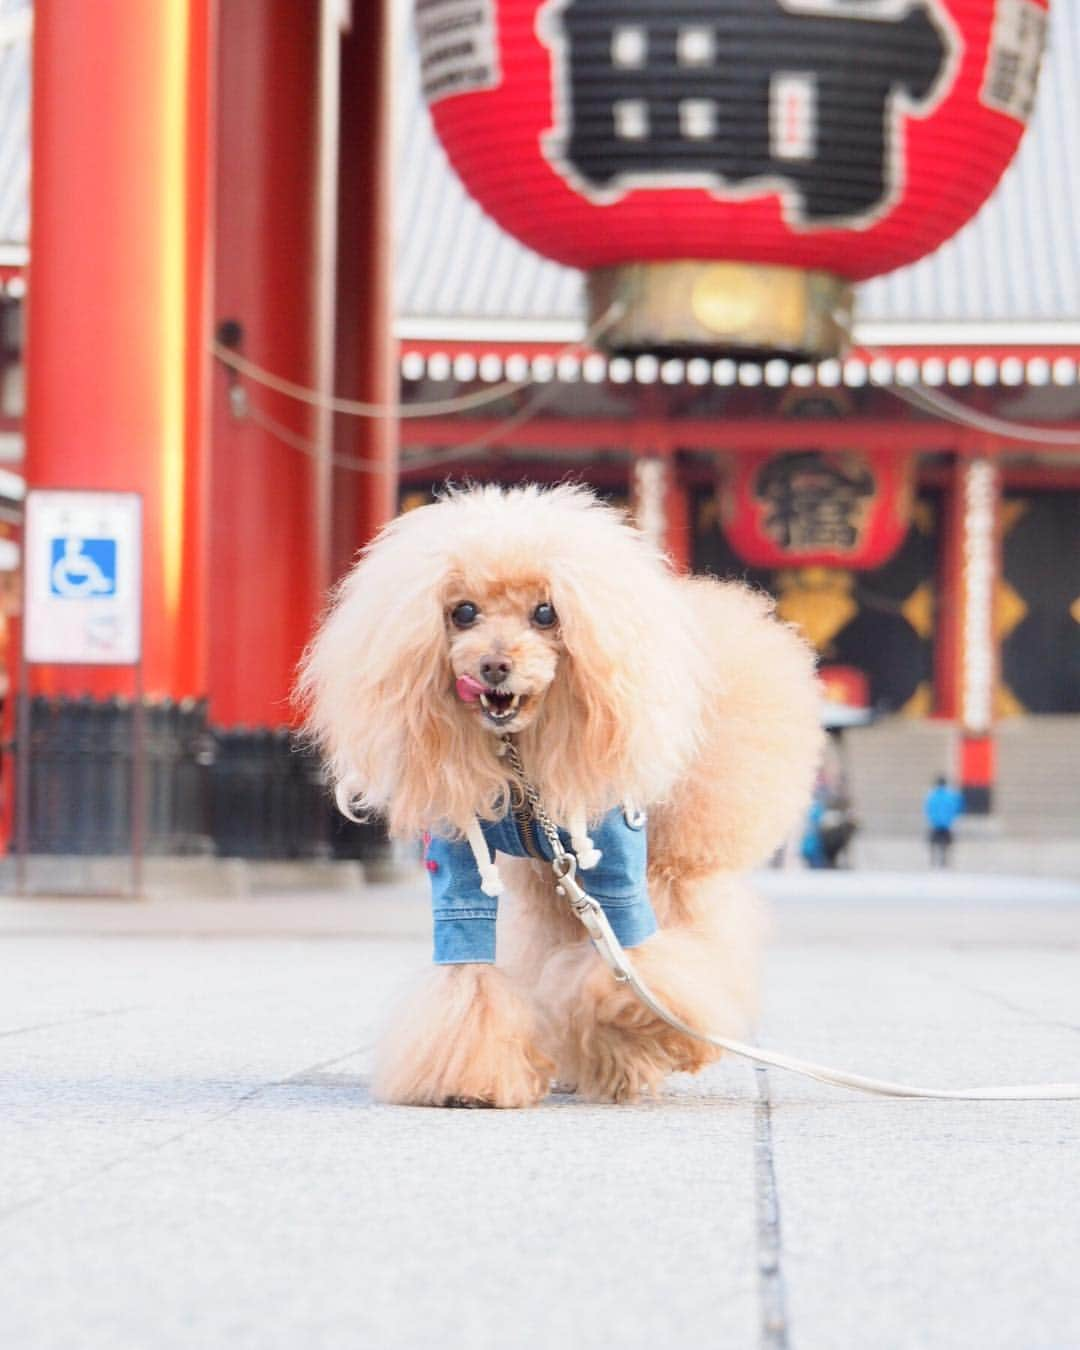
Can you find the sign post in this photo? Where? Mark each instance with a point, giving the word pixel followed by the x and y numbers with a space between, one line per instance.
pixel 82 606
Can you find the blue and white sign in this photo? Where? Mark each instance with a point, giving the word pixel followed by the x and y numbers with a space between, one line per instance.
pixel 83 555
pixel 82 567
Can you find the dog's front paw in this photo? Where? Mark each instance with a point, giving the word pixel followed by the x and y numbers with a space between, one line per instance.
pixel 611 1044
pixel 466 1039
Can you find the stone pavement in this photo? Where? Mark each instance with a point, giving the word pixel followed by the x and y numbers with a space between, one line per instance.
pixel 190 1157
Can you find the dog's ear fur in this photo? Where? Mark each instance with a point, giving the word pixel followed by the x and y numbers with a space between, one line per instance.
pixel 375 688
pixel 618 723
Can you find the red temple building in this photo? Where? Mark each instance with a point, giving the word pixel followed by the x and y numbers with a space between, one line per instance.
pixel 264 174
pixel 958 403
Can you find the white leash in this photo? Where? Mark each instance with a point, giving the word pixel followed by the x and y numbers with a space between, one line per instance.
pixel 592 916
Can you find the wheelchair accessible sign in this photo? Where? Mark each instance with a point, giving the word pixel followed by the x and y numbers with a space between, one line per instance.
pixel 83 578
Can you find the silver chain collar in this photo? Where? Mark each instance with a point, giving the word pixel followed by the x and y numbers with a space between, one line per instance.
pixel 563 864
pixel 532 796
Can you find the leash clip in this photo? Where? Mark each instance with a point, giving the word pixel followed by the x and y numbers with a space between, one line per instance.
pixel 589 911
pixel 565 867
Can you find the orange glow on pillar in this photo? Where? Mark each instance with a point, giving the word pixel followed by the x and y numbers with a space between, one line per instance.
pixel 117 324
pixel 173 189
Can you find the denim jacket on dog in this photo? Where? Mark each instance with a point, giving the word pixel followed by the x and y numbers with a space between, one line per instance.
pixel 465 914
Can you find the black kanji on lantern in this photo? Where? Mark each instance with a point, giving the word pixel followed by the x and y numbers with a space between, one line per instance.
pixel 814 502
pixel 747 93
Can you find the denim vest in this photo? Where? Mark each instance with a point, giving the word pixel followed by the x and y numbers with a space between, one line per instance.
pixel 465 916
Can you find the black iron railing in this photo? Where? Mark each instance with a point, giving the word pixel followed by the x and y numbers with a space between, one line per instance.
pixel 246 793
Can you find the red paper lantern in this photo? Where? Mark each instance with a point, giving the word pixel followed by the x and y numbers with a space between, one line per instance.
pixel 819 141
pixel 810 508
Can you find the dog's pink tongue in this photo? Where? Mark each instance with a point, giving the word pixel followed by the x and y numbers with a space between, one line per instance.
pixel 468 689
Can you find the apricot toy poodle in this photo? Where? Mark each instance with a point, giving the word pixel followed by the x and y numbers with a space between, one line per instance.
pixel 671 726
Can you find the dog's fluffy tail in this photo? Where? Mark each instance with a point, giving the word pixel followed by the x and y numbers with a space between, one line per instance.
pixel 760 741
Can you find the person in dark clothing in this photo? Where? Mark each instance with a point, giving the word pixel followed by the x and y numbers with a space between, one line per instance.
pixel 941 807
pixel 837 828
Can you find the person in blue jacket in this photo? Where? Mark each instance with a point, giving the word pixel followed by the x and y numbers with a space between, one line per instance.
pixel 812 846
pixel 941 807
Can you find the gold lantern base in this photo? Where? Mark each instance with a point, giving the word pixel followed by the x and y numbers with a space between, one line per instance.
pixel 748 310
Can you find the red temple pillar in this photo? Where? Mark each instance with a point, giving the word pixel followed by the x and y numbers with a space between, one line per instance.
pixel 117 322
pixel 679 535
pixel 975 633
pixel 266 574
pixel 367 358
pixel 661 507
pixel 949 616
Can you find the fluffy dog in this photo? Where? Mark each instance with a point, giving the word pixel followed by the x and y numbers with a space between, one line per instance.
pixel 543 615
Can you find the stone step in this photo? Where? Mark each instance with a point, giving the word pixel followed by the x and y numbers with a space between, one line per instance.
pixel 892 763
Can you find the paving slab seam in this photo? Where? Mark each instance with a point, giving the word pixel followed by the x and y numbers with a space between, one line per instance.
pixel 774 1322
pixel 69 1021
pixel 147 1150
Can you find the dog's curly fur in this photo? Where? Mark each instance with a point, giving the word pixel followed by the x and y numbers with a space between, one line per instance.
pixel 682 695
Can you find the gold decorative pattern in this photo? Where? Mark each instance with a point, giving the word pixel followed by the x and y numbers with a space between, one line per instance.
pixel 1006 704
pixel 921 703
pixel 1012 508
pixel 918 609
pixel 709 512
pixel 818 599
pixel 923 516
pixel 1009 610
pixel 721 305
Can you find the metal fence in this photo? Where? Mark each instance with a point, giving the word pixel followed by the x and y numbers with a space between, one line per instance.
pixel 268 799
pixel 81 766
pixel 242 793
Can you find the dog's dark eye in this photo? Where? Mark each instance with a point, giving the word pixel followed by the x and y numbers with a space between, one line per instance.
pixel 544 616
pixel 464 615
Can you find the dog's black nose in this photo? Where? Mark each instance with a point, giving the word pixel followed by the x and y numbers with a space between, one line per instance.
pixel 495 672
